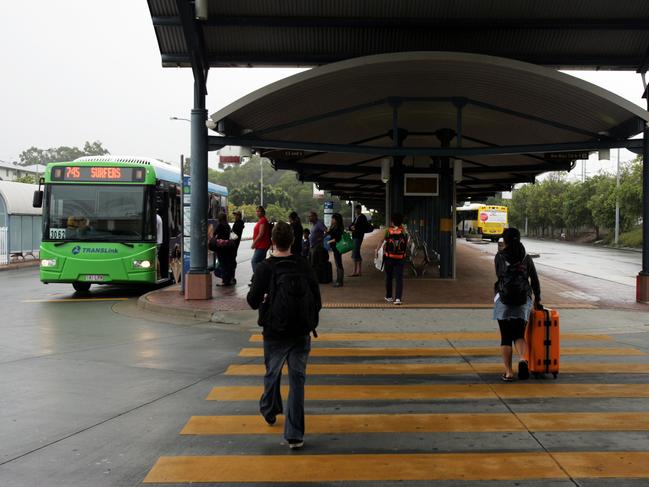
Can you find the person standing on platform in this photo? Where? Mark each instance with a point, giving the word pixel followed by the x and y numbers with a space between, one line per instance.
pixel 260 239
pixel 358 229
pixel 296 226
pixel 305 243
pixel 286 292
pixel 225 250
pixel 237 229
pixel 517 280
pixel 315 239
pixel 335 231
pixel 394 246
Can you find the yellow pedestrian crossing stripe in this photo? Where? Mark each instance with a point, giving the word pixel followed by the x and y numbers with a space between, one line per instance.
pixel 535 389
pixel 434 336
pixel 423 423
pixel 430 369
pixel 460 466
pixel 386 467
pixel 442 351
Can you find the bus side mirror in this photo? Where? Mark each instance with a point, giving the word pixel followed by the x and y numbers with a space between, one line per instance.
pixel 37 202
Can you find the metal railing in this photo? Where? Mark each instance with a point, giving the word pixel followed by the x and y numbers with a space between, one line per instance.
pixel 420 257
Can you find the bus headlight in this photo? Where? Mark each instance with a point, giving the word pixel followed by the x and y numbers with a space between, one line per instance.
pixel 48 263
pixel 142 264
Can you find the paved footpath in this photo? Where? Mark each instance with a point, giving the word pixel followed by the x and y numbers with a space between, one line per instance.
pixel 414 396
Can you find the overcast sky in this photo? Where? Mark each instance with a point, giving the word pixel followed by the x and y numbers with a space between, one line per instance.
pixel 78 70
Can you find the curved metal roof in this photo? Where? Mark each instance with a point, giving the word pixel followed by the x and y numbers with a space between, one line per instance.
pixel 18 198
pixel 591 34
pixel 507 103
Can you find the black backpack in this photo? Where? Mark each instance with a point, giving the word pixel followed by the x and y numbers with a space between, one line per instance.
pixel 292 308
pixel 514 286
pixel 396 244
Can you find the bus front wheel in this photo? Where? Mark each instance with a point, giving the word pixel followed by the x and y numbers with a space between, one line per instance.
pixel 81 287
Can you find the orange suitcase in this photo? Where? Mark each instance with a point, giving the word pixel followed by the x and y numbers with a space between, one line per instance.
pixel 543 344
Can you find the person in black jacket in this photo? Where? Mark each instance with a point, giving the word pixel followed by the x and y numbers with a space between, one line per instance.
pixel 237 229
pixel 335 231
pixel 358 228
pixel 283 343
pixel 225 250
pixel 514 269
pixel 296 226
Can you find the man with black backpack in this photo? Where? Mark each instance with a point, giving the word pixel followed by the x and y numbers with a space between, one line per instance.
pixel 286 292
pixel 394 244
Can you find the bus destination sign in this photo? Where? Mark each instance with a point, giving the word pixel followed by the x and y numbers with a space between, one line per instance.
pixel 98 174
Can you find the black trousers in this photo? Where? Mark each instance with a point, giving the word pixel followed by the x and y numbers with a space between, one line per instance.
pixel 393 270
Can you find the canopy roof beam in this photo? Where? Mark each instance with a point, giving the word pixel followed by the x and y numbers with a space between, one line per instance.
pixel 424 151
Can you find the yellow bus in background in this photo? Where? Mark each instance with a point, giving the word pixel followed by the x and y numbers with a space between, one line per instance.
pixel 479 220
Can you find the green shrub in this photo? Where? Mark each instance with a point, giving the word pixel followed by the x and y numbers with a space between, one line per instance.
pixel 631 238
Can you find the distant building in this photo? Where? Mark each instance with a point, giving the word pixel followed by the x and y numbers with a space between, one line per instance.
pixel 20 222
pixel 12 171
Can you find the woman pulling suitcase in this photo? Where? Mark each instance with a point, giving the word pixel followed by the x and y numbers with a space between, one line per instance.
pixel 517 280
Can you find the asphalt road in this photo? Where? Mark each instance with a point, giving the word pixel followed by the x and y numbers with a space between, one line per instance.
pixel 94 391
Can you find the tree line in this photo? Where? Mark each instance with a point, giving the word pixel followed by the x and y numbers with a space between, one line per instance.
pixel 35 155
pixel 283 192
pixel 556 206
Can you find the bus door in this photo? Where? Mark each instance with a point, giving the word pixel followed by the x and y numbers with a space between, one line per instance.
pixel 162 209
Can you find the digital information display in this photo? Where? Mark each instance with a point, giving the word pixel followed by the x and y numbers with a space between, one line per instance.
pixel 98 174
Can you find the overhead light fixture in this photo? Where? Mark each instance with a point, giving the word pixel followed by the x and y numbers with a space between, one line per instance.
pixel 202 9
pixel 386 162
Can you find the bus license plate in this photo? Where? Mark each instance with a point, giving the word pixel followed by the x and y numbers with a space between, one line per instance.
pixel 94 277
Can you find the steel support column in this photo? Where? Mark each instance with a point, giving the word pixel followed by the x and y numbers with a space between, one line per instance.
pixel 199 279
pixel 445 207
pixel 396 185
pixel 642 280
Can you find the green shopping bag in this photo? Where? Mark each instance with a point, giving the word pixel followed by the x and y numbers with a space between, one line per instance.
pixel 346 243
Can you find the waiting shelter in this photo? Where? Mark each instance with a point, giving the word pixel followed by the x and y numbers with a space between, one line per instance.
pixel 415 105
pixel 20 222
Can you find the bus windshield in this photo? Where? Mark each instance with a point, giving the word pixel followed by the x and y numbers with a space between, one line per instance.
pixel 107 213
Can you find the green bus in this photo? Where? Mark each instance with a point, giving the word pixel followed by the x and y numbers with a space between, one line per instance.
pixel 114 220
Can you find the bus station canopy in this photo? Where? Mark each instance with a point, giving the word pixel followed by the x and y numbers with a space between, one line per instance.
pixel 18 198
pixel 333 124
pixel 588 34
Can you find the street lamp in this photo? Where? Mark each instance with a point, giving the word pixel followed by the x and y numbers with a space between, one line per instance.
pixel 180 118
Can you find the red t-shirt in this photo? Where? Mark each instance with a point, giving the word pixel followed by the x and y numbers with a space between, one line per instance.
pixel 264 242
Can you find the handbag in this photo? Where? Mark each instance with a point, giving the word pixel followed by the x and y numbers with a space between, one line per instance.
pixel 378 260
pixel 345 244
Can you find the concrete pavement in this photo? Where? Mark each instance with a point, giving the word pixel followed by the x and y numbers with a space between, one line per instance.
pixel 99 391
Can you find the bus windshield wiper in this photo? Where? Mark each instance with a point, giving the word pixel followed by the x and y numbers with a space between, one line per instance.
pixel 130 245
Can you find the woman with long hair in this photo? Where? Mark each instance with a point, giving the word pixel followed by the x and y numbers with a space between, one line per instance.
pixel 517 280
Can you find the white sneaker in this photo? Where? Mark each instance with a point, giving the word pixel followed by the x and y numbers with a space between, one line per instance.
pixel 295 444
pixel 397 301
pixel 389 300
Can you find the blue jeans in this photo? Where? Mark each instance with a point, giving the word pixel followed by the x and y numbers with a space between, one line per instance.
pixel 295 352
pixel 258 256
pixel 356 251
